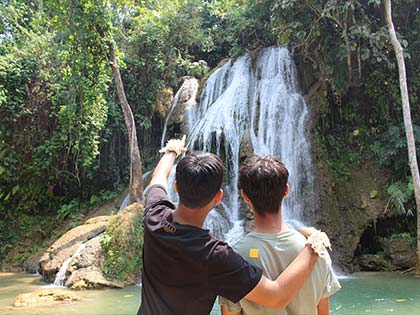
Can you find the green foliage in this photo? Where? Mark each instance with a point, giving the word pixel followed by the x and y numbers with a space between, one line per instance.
pixel 122 243
pixel 7 236
pixel 20 229
pixel 21 257
pixel 84 77
pixel 401 196
pixel 342 154
pixel 63 140
pixel 53 83
pixel 74 207
pixel 411 239
pixel 67 210
pixel 393 149
pixel 380 253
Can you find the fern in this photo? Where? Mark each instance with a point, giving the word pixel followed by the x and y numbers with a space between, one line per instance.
pixel 400 195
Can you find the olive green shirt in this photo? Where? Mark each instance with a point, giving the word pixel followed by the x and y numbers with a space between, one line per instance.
pixel 273 253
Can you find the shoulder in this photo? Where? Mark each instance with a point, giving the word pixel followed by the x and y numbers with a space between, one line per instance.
pixel 294 242
pixel 156 195
pixel 297 237
pixel 244 244
pixel 222 256
pixel 221 251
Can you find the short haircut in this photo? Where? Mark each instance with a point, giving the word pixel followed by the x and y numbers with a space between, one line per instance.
pixel 199 176
pixel 264 179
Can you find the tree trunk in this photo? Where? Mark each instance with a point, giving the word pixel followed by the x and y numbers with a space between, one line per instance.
pixel 407 121
pixel 136 185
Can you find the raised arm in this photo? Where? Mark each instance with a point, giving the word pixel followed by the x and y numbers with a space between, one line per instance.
pixel 166 163
pixel 279 293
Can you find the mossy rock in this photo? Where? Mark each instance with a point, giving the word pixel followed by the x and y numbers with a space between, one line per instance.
pixel 122 244
pixel 347 209
pixel 370 262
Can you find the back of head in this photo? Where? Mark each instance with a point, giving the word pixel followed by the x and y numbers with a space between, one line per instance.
pixel 264 179
pixel 199 176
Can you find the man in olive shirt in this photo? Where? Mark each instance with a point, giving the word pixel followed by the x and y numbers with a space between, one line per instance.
pixel 184 266
pixel 272 245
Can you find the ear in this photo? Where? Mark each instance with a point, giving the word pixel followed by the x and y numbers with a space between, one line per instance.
pixel 175 187
pixel 248 201
pixel 286 192
pixel 243 194
pixel 219 196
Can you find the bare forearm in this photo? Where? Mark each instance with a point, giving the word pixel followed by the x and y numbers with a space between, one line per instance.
pixel 163 169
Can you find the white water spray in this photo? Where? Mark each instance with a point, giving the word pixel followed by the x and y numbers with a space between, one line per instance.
pixel 61 274
pixel 259 104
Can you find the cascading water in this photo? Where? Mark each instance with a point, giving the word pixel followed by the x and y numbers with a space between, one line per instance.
pixel 61 274
pixel 279 126
pixel 258 105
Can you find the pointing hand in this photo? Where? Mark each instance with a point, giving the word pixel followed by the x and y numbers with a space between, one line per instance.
pixel 175 145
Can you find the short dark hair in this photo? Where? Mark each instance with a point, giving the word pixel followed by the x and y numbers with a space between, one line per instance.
pixel 264 179
pixel 199 176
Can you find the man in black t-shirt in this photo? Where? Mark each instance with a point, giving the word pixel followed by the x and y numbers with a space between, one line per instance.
pixel 184 266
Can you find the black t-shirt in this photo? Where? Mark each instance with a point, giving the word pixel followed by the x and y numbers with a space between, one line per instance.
pixel 185 267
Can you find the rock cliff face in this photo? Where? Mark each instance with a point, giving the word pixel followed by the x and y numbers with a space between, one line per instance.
pixel 185 98
pixel 346 210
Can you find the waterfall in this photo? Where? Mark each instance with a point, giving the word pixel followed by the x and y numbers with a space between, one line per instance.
pixel 61 274
pixel 279 126
pixel 255 104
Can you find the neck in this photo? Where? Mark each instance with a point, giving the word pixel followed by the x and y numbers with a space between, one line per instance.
pixel 269 223
pixel 190 216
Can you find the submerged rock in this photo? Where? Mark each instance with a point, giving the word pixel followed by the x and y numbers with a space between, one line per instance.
pixel 45 296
